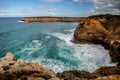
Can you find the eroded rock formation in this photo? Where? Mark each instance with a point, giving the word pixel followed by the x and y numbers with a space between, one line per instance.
pixel 101 30
pixel 11 69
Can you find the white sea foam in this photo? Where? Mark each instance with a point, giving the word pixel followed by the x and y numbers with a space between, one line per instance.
pixel 53 64
pixel 29 48
pixel 20 21
pixel 47 37
pixel 65 37
pixel 87 57
pixel 71 30
pixel 61 36
pixel 36 41
pixel 91 56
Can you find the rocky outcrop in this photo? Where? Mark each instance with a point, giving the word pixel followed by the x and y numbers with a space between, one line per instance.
pixel 103 73
pixel 12 69
pixel 52 19
pixel 101 30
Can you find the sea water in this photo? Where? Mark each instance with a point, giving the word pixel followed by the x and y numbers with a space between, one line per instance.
pixel 48 43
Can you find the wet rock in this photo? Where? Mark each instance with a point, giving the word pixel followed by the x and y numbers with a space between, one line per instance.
pixel 75 75
pixel 107 71
pixel 103 73
pixel 115 51
pixel 112 77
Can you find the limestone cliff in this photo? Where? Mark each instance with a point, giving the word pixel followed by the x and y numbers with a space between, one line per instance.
pixel 52 19
pixel 104 30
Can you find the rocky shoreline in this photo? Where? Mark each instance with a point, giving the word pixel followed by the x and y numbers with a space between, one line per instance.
pixel 101 29
pixel 104 30
pixel 98 29
pixel 12 69
pixel 52 19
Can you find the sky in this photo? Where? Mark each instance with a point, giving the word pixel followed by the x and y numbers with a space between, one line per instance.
pixel 64 8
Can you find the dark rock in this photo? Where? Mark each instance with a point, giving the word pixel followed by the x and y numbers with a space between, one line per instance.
pixel 75 75
pixel 23 78
pixel 107 71
pixel 6 67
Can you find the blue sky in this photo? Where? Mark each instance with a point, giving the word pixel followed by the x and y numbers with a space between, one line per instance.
pixel 73 8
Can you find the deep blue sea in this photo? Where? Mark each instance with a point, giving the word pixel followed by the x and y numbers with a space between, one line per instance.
pixel 48 43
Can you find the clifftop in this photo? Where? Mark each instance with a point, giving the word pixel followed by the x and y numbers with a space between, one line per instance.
pixel 52 19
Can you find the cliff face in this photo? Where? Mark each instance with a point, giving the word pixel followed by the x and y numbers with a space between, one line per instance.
pixel 101 30
pixel 52 19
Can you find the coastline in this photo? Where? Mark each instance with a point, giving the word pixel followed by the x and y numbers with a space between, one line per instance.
pixel 103 30
pixel 86 32
pixel 12 69
pixel 53 19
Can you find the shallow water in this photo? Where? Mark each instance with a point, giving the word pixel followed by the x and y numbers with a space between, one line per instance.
pixel 49 45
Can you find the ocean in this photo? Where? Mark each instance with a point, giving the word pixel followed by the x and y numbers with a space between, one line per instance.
pixel 48 43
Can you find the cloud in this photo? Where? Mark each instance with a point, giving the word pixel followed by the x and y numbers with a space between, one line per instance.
pixel 45 9
pixel 82 0
pixel 35 11
pixel 9 14
pixel 103 6
pixel 52 1
pixel 106 6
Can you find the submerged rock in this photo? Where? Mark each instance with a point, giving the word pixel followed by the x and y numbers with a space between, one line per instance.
pixel 11 69
pixel 101 30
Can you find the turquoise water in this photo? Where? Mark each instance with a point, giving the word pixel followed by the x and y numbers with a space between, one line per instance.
pixel 49 45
